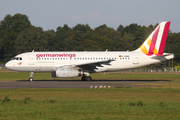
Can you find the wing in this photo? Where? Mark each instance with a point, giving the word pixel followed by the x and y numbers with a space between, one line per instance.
pixel 93 65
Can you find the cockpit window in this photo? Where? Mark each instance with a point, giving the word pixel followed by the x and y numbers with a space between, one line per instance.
pixel 17 58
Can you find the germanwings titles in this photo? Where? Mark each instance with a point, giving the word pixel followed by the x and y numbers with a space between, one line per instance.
pixel 55 55
pixel 73 64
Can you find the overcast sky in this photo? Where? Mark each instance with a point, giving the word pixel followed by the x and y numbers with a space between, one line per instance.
pixel 49 14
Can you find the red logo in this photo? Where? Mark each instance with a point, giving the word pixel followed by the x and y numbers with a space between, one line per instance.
pixel 19 63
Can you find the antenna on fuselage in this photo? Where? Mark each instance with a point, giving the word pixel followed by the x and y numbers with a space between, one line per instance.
pixel 106 50
pixel 33 51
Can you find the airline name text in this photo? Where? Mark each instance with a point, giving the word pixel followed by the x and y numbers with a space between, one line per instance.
pixel 55 55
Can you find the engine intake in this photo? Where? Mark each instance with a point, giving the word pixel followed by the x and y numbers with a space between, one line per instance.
pixel 66 73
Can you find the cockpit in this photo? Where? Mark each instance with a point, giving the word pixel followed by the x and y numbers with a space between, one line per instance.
pixel 17 58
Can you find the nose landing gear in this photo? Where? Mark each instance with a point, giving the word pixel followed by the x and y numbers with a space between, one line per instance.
pixel 31 76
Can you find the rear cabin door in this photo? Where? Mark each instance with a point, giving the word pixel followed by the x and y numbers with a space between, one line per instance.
pixel 135 59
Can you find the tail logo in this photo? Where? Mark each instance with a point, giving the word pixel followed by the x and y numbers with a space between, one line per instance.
pixel 156 41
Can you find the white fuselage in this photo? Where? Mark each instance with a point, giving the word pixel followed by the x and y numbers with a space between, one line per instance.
pixel 50 61
pixel 74 64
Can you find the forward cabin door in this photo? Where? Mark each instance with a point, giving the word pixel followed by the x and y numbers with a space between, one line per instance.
pixel 135 59
pixel 31 60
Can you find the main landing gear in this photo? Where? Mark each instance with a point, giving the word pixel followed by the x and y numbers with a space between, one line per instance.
pixel 86 78
pixel 31 76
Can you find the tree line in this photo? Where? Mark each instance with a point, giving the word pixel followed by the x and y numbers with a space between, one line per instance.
pixel 18 35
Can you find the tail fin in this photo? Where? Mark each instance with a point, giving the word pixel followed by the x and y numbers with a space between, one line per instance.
pixel 156 41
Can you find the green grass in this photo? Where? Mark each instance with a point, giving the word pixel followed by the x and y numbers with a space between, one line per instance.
pixel 162 102
pixel 80 104
pixel 97 76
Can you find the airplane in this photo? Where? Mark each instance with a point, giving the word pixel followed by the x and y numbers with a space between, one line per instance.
pixel 66 64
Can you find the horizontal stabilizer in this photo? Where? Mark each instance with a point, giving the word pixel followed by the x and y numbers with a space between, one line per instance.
pixel 162 56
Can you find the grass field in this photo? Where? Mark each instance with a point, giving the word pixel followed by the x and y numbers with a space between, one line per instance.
pixel 160 103
pixel 13 76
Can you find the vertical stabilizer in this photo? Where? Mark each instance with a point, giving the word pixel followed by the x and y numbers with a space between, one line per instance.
pixel 156 41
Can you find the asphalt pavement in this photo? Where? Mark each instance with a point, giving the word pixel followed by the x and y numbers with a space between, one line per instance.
pixel 77 84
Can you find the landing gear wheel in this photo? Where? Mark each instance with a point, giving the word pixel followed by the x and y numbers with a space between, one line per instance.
pixel 31 76
pixel 83 78
pixel 88 78
pixel 31 79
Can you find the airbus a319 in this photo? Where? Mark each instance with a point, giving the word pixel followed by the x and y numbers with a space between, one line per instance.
pixel 66 64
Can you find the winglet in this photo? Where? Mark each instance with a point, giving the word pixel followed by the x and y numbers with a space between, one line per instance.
pixel 156 41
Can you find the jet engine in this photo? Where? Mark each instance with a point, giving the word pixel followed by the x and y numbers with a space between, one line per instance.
pixel 66 73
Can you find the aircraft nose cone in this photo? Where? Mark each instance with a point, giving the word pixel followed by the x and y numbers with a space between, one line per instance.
pixel 8 65
pixel 11 65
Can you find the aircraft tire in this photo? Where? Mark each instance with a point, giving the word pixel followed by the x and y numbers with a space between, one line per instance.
pixel 88 78
pixel 83 78
pixel 31 79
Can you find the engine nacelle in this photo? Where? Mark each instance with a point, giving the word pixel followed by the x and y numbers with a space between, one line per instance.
pixel 66 73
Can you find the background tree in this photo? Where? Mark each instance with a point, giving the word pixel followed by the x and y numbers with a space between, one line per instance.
pixel 128 40
pixel 173 45
pixel 120 29
pixel 139 37
pixel 59 39
pixel 11 26
pixel 78 38
pixel 30 39
pixel 51 34
pixel 81 27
